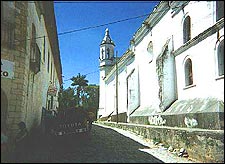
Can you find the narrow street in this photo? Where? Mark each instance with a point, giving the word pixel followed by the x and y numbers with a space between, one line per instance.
pixel 101 146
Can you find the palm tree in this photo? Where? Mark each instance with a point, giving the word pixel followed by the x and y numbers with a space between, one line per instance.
pixel 79 82
pixel 67 99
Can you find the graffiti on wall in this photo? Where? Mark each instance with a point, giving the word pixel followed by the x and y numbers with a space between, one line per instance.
pixel 156 120
pixel 190 122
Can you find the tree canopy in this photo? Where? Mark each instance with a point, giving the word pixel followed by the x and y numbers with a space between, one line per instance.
pixel 80 94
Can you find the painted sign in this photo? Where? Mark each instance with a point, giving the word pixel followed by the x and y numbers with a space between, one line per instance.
pixel 52 90
pixel 7 69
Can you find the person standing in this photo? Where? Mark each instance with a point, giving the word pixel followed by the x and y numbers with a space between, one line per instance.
pixel 21 141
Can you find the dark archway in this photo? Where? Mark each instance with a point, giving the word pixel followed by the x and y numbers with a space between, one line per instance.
pixel 4 109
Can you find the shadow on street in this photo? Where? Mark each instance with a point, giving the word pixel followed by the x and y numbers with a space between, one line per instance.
pixel 102 145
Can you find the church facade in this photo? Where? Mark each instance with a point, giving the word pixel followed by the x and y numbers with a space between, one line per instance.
pixel 173 71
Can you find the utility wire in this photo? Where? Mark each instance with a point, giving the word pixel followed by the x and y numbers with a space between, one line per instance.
pixel 91 1
pixel 86 28
pixel 91 72
pixel 91 27
pixel 84 74
pixel 104 1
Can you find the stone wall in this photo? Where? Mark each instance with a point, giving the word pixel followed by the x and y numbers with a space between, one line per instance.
pixel 198 120
pixel 201 145
pixel 122 117
pixel 204 113
pixel 15 88
pixel 26 92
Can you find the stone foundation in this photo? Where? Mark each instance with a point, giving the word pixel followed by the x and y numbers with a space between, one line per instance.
pixel 214 121
pixel 204 113
pixel 202 145
pixel 122 117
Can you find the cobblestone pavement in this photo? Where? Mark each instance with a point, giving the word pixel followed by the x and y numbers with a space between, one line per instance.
pixel 103 145
pixel 156 150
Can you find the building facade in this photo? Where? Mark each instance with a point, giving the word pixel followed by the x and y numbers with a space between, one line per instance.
pixel 31 73
pixel 173 71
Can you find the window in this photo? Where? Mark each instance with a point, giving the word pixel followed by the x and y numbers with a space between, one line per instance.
pixel 108 51
pixel 219 10
pixel 220 56
pixel 35 59
pixel 102 54
pixel 35 53
pixel 188 72
pixel 187 29
pixel 150 51
pixel 7 24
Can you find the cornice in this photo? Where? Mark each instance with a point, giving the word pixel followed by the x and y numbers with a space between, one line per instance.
pixel 208 32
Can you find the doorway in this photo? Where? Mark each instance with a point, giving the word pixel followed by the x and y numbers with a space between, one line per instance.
pixel 4 109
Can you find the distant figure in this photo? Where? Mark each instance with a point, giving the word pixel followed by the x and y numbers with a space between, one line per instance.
pixel 91 118
pixel 49 120
pixel 21 141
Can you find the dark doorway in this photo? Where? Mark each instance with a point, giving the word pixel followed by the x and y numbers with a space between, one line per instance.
pixel 4 109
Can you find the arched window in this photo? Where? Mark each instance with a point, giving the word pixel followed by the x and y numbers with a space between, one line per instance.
pixel 220 57
pixel 150 51
pixel 188 72
pixel 108 52
pixel 150 47
pixel 102 51
pixel 187 29
pixel 35 54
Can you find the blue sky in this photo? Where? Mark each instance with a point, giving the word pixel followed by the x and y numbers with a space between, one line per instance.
pixel 79 50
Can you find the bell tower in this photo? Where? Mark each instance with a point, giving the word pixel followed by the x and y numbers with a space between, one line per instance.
pixel 106 51
pixel 107 60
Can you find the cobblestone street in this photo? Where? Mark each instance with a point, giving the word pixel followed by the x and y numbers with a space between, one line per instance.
pixel 103 145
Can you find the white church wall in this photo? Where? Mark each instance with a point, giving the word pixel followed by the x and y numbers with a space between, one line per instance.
pixel 110 97
pixel 200 21
pixel 122 91
pixel 101 109
pixel 204 74
pixel 203 54
pixel 149 86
